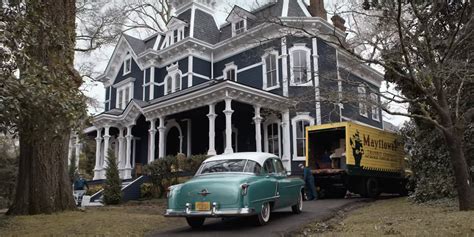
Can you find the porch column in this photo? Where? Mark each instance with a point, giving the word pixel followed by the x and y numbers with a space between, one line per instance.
pixel 151 140
pixel 286 139
pixel 106 145
pixel 78 150
pixel 161 142
pixel 69 153
pixel 212 129
pixel 128 167
pixel 258 130
pixel 228 126
pixel 120 152
pixel 98 142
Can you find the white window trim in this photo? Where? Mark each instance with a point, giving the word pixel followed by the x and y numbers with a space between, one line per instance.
pixel 269 121
pixel 127 86
pixel 308 64
pixel 128 58
pixel 264 71
pixel 229 67
pixel 362 98
pixel 375 108
pixel 294 120
pixel 173 70
pixel 244 19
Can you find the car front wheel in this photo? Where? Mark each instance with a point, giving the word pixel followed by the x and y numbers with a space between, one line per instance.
pixel 298 208
pixel 195 222
pixel 264 216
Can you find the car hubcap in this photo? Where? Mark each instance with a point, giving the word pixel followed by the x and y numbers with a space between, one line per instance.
pixel 265 212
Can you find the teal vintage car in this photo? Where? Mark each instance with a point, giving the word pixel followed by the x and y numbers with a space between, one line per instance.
pixel 232 185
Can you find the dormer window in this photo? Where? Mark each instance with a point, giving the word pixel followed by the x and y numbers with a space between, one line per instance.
pixel 239 20
pixel 173 79
pixel 124 92
pixel 239 27
pixel 127 64
pixel 230 72
pixel 175 36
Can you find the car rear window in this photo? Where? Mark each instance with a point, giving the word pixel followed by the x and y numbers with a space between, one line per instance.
pixel 229 166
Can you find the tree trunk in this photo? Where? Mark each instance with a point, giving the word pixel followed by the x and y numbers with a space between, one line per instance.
pixel 45 125
pixel 43 183
pixel 461 170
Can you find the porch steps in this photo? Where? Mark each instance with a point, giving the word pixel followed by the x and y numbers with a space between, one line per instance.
pixel 130 191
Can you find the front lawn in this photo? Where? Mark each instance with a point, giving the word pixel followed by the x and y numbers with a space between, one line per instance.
pixel 397 217
pixel 131 219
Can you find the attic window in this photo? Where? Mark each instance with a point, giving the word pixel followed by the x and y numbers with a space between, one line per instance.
pixel 240 27
pixel 175 36
pixel 127 64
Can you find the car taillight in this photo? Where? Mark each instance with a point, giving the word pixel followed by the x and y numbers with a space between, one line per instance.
pixel 245 188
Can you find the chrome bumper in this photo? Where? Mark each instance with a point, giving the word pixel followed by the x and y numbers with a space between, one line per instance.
pixel 214 212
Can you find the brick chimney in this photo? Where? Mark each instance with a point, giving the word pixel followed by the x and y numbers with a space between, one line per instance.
pixel 338 22
pixel 316 8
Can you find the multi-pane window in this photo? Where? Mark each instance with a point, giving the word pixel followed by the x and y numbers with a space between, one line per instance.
pixel 273 139
pixel 239 27
pixel 301 137
pixel 173 82
pixel 271 70
pixel 175 36
pixel 362 100
pixel 127 65
pixel 124 95
pixel 300 66
pixel 375 108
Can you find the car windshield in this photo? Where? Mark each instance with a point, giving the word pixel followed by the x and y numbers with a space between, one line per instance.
pixel 228 166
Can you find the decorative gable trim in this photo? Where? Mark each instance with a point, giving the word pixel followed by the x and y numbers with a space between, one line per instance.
pixel 126 81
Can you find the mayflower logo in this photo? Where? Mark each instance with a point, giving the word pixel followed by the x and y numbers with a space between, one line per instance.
pixel 357 148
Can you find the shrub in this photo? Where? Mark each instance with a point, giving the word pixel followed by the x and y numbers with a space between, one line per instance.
pixel 148 191
pixel 8 170
pixel 191 165
pixel 429 161
pixel 113 184
pixel 162 170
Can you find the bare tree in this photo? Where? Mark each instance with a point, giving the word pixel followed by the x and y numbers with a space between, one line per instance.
pixel 425 49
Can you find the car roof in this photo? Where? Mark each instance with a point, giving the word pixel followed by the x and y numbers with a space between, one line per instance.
pixel 259 157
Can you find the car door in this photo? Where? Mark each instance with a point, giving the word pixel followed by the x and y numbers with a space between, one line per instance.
pixel 271 187
pixel 284 189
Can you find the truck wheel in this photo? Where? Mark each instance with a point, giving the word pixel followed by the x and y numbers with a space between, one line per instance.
pixel 372 188
pixel 195 222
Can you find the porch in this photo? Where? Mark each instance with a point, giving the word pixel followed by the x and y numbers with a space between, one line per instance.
pixel 212 118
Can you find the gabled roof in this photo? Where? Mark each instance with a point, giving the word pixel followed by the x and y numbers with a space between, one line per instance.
pixel 240 13
pixel 137 45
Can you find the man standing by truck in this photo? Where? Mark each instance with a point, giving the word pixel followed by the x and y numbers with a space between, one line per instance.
pixel 310 186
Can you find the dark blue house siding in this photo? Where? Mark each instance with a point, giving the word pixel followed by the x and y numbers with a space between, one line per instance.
pixel 351 105
pixel 251 77
pixel 201 67
pixel 198 80
pixel 247 58
pixel 328 82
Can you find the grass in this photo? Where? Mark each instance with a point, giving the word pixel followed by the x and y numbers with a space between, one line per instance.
pixel 131 219
pixel 397 217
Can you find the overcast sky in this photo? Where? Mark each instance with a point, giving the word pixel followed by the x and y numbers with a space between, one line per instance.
pixel 100 57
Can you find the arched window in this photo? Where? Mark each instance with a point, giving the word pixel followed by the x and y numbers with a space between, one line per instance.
pixel 230 72
pixel 362 94
pixel 177 82
pixel 299 124
pixel 300 64
pixel 270 70
pixel 173 79
pixel 271 129
pixel 169 85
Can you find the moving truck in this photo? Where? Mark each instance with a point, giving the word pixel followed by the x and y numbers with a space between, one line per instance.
pixel 351 157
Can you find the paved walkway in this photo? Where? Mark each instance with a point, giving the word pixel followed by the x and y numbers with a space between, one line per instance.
pixel 281 223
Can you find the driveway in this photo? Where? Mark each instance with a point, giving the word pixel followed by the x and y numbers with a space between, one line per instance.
pixel 281 223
